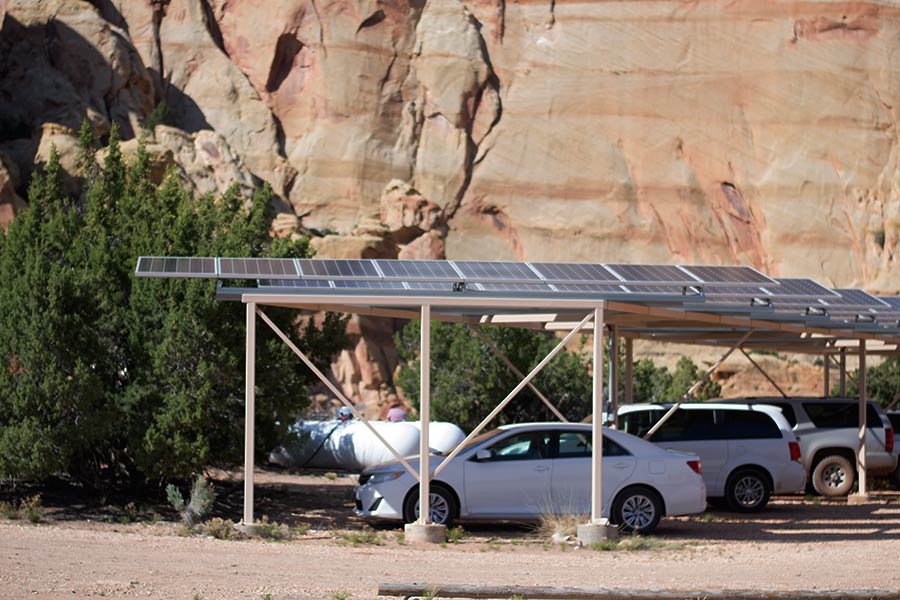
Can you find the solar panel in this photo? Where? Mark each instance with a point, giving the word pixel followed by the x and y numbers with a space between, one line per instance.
pixel 581 273
pixel 418 270
pixel 157 266
pixel 257 268
pixel 514 287
pixel 892 301
pixel 653 274
pixel 799 289
pixel 338 269
pixel 368 285
pixel 591 289
pixel 855 298
pixel 293 283
pixel 437 286
pixel 729 275
pixel 496 271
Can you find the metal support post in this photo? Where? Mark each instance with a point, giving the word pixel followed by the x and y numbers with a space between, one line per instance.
pixel 490 344
pixel 697 385
pixel 826 384
pixel 863 397
pixel 843 373
pixel 424 416
pixel 597 429
pixel 629 373
pixel 613 404
pixel 249 411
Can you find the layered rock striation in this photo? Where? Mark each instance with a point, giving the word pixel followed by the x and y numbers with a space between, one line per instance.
pixel 760 132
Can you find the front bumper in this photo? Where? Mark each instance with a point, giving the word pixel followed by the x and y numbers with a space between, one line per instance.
pixel 373 502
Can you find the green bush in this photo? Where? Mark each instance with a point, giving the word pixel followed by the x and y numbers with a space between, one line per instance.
pixel 113 379
pixel 198 504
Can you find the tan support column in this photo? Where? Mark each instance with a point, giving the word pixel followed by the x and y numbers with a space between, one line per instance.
pixel 249 413
pixel 598 528
pixel 613 404
pixel 861 496
pixel 629 373
pixel 424 530
pixel 843 373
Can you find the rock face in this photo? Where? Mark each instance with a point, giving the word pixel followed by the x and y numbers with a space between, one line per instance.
pixel 748 131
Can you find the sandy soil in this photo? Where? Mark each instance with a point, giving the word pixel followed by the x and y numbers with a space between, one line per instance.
pixel 795 544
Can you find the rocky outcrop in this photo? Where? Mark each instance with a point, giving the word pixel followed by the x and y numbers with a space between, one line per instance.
pixel 10 202
pixel 745 131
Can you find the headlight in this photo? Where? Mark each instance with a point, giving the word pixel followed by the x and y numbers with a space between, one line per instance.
pixel 377 478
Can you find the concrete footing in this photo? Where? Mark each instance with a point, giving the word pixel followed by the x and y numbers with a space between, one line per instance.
pixel 858 499
pixel 246 529
pixel 590 533
pixel 417 533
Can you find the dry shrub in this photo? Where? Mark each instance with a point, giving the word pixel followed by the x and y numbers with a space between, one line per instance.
pixel 560 525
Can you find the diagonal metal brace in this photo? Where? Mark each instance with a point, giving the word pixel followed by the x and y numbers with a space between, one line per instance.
pixel 764 374
pixel 490 344
pixel 336 391
pixel 697 385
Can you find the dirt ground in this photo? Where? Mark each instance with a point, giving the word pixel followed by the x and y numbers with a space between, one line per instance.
pixel 87 547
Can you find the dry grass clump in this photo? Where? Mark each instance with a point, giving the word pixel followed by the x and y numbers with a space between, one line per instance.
pixel 29 508
pixel 560 525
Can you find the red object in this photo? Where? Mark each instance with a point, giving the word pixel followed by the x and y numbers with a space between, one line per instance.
pixel 794 447
pixel 888 439
pixel 695 466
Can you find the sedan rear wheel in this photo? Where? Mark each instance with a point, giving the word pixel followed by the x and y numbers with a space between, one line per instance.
pixel 637 510
pixel 442 508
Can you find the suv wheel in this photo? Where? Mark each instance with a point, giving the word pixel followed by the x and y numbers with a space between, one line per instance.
pixel 833 476
pixel 747 490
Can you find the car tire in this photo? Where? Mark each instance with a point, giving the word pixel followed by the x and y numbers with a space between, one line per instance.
pixel 834 475
pixel 747 490
pixel 444 507
pixel 637 510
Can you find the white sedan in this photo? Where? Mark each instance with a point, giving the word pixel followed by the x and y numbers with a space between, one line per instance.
pixel 520 472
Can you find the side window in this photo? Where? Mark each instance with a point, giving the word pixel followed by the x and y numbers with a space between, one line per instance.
pixel 832 415
pixel 530 445
pixel 639 422
pixel 748 425
pixel 688 425
pixel 788 411
pixel 610 448
pixel 574 444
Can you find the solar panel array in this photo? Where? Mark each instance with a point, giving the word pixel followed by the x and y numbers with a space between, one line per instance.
pixel 730 289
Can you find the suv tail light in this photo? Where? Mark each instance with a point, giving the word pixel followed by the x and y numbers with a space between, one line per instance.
pixel 794 447
pixel 695 466
pixel 888 440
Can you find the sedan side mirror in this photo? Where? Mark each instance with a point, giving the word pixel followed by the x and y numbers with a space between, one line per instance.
pixel 483 455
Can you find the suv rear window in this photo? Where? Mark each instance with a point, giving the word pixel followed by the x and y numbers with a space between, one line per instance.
pixel 787 410
pixel 833 415
pixel 749 424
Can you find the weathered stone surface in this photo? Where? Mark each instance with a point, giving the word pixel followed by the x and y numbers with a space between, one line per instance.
pixel 65 140
pixel 61 60
pixel 10 202
pixel 207 161
pixel 406 213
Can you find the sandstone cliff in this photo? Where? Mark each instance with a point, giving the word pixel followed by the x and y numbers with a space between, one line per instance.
pixel 758 131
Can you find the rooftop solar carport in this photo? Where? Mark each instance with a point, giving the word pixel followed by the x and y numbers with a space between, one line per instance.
pixel 733 307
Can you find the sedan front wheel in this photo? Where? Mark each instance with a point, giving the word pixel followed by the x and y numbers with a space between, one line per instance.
pixel 442 510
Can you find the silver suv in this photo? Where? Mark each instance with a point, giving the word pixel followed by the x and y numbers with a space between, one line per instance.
pixel 828 432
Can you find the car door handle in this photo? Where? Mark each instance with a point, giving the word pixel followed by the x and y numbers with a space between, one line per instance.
pixel 621 465
pixel 542 468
